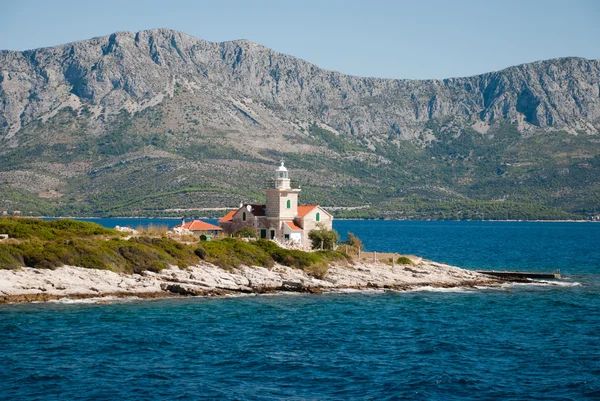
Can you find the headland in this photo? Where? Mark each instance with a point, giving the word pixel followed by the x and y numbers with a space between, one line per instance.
pixel 205 279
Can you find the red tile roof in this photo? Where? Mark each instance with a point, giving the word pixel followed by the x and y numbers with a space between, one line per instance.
pixel 305 209
pixel 198 225
pixel 228 217
pixel 293 226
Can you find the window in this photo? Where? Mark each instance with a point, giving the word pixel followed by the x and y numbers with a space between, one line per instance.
pixel 289 204
pixel 272 234
pixel 286 236
pixel 244 216
pixel 318 216
pixel 263 234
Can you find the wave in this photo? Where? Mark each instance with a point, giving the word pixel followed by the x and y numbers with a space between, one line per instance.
pixel 95 300
pixel 532 283
pixel 428 288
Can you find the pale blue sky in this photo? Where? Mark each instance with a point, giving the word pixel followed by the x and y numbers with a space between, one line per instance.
pixel 392 39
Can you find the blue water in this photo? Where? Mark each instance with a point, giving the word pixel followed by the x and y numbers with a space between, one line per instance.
pixel 529 342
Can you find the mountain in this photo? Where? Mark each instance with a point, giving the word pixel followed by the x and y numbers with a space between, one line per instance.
pixel 136 123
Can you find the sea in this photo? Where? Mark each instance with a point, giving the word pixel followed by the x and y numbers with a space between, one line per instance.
pixel 534 341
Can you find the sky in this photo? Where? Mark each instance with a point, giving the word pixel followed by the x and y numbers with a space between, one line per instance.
pixel 379 38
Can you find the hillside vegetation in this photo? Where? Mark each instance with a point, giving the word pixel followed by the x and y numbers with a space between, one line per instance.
pixel 50 244
pixel 141 123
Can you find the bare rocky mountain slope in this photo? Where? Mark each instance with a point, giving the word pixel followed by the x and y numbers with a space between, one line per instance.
pixel 142 122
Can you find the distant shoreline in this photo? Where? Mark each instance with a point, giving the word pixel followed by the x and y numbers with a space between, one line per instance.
pixel 340 219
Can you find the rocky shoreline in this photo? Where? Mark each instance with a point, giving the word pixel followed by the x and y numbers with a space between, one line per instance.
pixel 38 285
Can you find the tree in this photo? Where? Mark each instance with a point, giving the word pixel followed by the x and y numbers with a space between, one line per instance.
pixel 353 245
pixel 353 241
pixel 323 238
pixel 245 232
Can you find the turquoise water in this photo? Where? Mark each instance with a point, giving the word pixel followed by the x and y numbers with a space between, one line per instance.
pixel 530 342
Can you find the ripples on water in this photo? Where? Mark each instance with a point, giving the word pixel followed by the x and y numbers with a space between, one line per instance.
pixel 530 342
pixel 514 343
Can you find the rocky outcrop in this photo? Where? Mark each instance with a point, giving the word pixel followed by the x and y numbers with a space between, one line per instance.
pixel 131 71
pixel 28 284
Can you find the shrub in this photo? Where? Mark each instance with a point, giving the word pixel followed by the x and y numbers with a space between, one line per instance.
pixel 182 255
pixel 246 232
pixel 23 228
pixel 230 253
pixel 10 258
pixel 313 263
pixel 403 260
pixel 353 241
pixel 76 243
pixel 318 270
pixel 323 238
pixel 139 258
pixel 201 252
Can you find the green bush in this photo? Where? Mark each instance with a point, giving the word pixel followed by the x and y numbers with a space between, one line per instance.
pixel 314 263
pixel 10 258
pixel 201 253
pixel 318 270
pixel 24 228
pixel 43 245
pixel 403 260
pixel 48 245
pixel 323 238
pixel 245 232
pixel 182 255
pixel 229 253
pixel 353 241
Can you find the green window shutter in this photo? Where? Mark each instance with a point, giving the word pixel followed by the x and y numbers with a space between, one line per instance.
pixel 318 216
pixel 289 204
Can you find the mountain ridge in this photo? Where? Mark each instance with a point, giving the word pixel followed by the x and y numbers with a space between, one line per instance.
pixel 248 41
pixel 162 96
pixel 194 51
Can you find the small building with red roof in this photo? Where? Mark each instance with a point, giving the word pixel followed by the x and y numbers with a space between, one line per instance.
pixel 281 218
pixel 200 227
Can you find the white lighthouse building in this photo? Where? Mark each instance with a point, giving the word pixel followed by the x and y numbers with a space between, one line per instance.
pixel 281 217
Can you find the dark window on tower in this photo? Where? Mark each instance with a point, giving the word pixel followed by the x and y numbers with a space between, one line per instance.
pixel 244 216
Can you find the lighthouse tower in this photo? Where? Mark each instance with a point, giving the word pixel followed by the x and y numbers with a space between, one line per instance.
pixel 282 201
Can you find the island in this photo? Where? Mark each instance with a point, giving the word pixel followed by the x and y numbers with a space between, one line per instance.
pixel 49 260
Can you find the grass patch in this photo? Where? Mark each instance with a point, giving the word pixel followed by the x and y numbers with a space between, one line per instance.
pixel 152 231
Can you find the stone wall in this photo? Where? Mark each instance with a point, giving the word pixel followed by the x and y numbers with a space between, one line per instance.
pixel 277 203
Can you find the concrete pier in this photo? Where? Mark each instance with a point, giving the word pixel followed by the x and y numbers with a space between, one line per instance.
pixel 509 274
